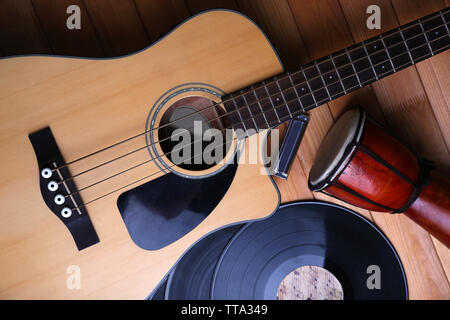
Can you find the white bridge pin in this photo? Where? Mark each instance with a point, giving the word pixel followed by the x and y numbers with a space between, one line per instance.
pixel 59 199
pixel 66 212
pixel 52 186
pixel 46 173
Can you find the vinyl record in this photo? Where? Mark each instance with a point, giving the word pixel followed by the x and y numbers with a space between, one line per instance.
pixel 159 292
pixel 324 235
pixel 191 278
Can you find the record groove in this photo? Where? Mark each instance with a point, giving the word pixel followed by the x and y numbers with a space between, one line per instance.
pixel 249 261
pixel 308 233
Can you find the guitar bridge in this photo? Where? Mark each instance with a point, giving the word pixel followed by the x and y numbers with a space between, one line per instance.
pixel 59 191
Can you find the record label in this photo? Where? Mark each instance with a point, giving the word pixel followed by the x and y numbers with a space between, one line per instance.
pixel 310 283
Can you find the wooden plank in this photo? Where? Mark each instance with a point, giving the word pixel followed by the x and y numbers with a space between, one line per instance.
pixel 433 73
pixel 21 32
pixel 310 18
pixel 196 6
pixel 417 125
pixel 276 19
pixel 119 26
pixel 326 17
pixel 160 16
pixel 52 15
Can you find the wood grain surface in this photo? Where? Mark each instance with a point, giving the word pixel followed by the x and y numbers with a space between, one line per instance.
pixel 413 103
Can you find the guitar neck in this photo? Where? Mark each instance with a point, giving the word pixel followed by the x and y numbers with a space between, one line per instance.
pixel 279 99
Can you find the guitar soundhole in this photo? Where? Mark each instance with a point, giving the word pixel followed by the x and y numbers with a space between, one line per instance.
pixel 185 134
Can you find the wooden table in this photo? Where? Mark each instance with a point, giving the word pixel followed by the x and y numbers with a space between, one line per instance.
pixel 413 103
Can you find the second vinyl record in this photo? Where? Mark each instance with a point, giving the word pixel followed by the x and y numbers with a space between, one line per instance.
pixel 314 235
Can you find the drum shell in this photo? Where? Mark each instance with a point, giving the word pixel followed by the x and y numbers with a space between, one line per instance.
pixel 381 174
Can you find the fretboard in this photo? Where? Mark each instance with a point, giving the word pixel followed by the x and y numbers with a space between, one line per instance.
pixel 278 99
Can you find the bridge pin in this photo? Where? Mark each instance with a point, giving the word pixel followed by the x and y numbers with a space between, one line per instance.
pixel 52 186
pixel 59 199
pixel 66 212
pixel 46 173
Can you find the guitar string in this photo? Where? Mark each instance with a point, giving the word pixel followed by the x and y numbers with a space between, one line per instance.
pixel 400 30
pixel 167 166
pixel 263 112
pixel 230 127
pixel 243 94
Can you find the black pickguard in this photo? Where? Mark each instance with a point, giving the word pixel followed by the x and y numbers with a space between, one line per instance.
pixel 163 210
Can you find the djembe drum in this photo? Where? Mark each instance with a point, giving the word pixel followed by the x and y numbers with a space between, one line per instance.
pixel 361 163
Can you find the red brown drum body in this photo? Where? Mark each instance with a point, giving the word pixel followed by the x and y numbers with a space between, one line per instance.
pixel 360 163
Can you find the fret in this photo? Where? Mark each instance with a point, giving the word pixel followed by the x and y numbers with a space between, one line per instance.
pixel 271 102
pixel 381 61
pixel 245 112
pixel 284 99
pixel 415 40
pixel 249 110
pixel 315 84
pixel 262 95
pixel 296 93
pixel 329 75
pixel 309 88
pixel 426 38
pixel 445 19
pixel 445 16
pixel 277 99
pixel 397 49
pixel 362 64
pixel 387 52
pixel 244 115
pixel 439 35
pixel 337 73
pixel 293 103
pixel 323 82
pixel 370 60
pixel 260 107
pixel 440 43
pixel 306 98
pixel 354 70
pixel 407 49
pixel 345 70
pixel 233 116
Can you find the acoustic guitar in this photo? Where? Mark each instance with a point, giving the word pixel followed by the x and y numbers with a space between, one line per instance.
pixel 89 186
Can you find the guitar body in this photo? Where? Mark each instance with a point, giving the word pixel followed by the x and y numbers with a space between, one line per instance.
pixel 90 104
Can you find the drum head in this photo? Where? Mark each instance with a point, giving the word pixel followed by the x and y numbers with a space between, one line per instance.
pixel 337 147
